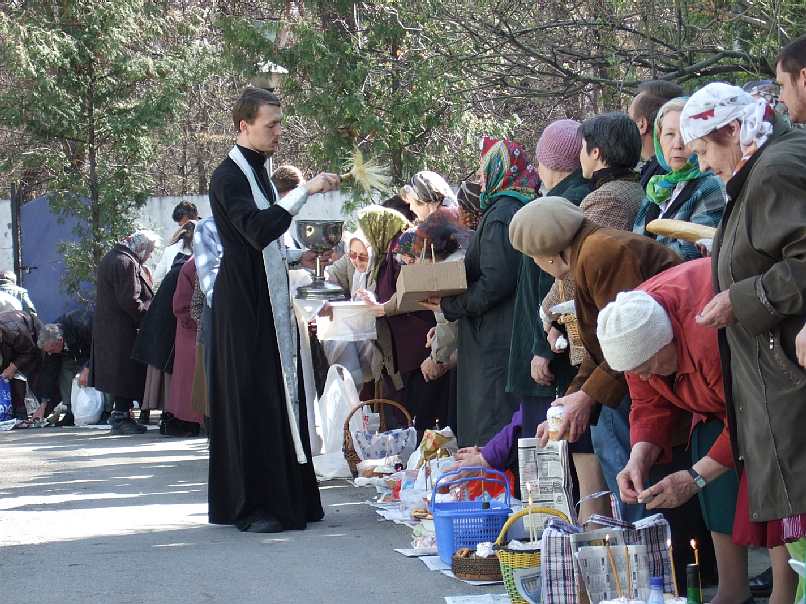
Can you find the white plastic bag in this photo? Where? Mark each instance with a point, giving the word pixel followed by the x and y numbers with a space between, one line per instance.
pixel 351 322
pixel 87 404
pixel 338 399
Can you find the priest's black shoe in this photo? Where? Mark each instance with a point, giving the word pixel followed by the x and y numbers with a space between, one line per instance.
pixel 260 524
pixel 121 423
pixel 761 584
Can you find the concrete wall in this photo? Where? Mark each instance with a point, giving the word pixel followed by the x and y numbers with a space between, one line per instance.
pixel 6 248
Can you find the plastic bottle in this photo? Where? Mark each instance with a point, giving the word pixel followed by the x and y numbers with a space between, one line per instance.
pixel 655 591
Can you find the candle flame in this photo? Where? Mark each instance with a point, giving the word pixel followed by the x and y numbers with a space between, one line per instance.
pixel 693 544
pixel 529 487
pixel 668 543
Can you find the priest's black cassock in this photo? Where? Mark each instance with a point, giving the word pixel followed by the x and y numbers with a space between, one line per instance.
pixel 254 471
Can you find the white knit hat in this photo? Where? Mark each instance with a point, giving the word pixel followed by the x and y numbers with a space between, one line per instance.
pixel 632 330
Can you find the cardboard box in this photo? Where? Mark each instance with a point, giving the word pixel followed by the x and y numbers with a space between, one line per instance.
pixel 420 281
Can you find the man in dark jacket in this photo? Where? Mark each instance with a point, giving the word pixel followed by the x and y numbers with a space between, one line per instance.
pixel 652 95
pixel 19 354
pixel 66 344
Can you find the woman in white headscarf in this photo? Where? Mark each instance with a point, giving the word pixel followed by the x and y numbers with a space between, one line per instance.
pixel 759 268
pixel 352 273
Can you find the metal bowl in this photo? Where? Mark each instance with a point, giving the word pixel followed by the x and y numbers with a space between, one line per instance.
pixel 320 236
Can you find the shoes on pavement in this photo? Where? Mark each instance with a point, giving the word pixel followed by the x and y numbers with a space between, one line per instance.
pixel 122 423
pixel 145 416
pixel 104 419
pixel 761 584
pixel 68 419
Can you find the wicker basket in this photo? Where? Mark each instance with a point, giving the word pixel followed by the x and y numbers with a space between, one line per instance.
pixel 517 559
pixel 349 447
pixel 476 569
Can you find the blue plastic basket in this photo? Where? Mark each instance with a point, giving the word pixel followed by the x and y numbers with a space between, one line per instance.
pixel 461 524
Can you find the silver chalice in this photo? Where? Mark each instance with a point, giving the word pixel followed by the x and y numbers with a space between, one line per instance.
pixel 321 237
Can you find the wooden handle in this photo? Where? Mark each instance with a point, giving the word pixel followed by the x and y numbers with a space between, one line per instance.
pixel 525 512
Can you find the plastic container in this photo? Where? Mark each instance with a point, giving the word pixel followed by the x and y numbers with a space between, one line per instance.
pixel 527 464
pixel 554 417
pixel 655 591
pixel 459 524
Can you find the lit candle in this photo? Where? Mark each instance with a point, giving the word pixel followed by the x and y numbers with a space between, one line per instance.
pixel 693 543
pixel 528 519
pixel 613 567
pixel 674 572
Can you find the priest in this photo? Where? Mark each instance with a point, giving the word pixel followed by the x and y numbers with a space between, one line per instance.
pixel 261 473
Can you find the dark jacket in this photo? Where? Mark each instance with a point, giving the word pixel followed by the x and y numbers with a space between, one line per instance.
pixel 650 168
pixel 485 313
pixel 123 295
pixel 760 258
pixel 77 329
pixel 155 341
pixel 528 337
pixel 19 331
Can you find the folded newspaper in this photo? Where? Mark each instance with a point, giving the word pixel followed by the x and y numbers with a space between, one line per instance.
pixel 551 485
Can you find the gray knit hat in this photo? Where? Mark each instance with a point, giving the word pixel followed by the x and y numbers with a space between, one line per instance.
pixel 545 226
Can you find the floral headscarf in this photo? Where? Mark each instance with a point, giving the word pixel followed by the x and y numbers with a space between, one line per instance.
pixel 507 172
pixel 405 243
pixel 380 226
pixel 660 187
pixel 141 243
pixel 717 105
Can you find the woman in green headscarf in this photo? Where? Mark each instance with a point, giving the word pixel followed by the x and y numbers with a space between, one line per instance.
pixel 683 193
pixel 485 310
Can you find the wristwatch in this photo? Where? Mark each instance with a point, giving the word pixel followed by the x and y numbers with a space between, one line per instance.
pixel 697 478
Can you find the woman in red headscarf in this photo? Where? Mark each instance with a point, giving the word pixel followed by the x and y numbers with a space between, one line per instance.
pixel 484 311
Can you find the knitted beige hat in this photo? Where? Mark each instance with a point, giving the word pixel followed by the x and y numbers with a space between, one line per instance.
pixel 545 226
pixel 632 330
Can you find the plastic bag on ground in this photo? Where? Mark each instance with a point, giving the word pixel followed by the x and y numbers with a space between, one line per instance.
pixel 87 404
pixel 330 466
pixel 338 399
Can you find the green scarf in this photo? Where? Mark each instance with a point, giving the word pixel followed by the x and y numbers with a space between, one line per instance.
pixel 660 188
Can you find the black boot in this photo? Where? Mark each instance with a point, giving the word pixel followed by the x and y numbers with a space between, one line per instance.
pixel 122 423
pixel 67 420
pixel 145 416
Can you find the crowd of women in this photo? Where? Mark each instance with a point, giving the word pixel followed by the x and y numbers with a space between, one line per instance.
pixel 680 367
pixel 686 376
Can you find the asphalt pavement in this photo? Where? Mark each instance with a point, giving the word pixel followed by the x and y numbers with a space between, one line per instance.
pixel 96 519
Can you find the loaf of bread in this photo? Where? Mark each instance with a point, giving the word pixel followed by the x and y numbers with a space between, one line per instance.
pixel 680 229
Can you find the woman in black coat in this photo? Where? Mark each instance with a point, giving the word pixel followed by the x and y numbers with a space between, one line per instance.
pixel 123 294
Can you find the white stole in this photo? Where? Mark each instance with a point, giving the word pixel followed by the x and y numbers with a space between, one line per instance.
pixel 285 325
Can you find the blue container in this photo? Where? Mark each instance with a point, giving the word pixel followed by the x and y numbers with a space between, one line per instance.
pixel 6 410
pixel 461 524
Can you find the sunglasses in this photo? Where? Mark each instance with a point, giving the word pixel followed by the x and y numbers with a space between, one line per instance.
pixel 357 256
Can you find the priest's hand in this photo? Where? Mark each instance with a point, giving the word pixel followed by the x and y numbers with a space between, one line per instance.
pixel 718 313
pixel 322 183
pixel 577 415
pixel 632 478
pixel 800 347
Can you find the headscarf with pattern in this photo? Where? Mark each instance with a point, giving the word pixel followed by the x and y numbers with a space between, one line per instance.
pixel 380 226
pixel 507 172
pixel 141 243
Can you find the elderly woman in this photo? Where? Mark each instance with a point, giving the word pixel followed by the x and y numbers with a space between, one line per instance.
pixel 123 294
pixel 683 192
pixel 426 193
pixel 19 332
pixel 485 310
pixel 759 269
pixel 351 272
pixel 603 262
pixel 652 335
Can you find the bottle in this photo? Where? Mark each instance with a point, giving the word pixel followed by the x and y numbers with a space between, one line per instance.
pixel 693 587
pixel 655 591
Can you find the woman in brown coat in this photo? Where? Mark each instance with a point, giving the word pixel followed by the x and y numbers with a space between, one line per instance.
pixel 123 293
pixel 759 265
pixel 603 262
